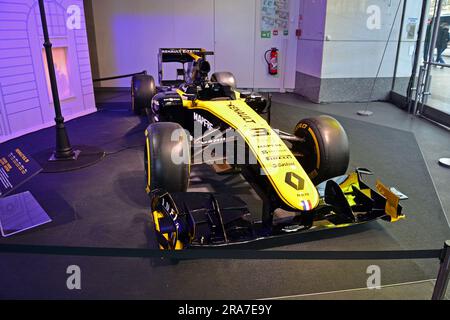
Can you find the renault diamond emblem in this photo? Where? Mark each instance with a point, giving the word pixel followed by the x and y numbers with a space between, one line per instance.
pixel 295 181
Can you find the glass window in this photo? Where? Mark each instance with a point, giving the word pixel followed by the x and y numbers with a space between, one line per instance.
pixel 440 76
pixel 62 73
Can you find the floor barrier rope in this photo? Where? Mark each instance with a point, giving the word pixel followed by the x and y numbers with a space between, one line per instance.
pixel 227 254
pixel 220 254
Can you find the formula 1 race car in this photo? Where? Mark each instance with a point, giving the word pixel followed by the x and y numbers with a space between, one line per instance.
pixel 301 177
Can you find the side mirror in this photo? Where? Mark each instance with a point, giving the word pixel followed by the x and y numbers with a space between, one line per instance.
pixel 257 102
pixel 245 94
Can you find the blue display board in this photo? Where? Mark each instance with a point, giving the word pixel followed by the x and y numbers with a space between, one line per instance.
pixel 16 167
pixel 19 213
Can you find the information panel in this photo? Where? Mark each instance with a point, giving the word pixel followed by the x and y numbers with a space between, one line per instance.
pixel 274 18
pixel 16 167
pixel 19 213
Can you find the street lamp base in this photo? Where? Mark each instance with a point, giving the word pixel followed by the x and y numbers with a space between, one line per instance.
pixel 75 156
pixel 84 156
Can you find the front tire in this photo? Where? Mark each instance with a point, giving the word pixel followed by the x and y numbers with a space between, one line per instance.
pixel 167 158
pixel 324 152
pixel 143 89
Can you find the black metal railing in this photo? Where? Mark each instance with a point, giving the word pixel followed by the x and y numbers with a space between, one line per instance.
pixel 120 77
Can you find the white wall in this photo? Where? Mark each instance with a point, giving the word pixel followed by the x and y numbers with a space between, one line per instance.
pixel 25 104
pixel 288 52
pixel 129 34
pixel 310 44
pixel 355 51
pixel 238 59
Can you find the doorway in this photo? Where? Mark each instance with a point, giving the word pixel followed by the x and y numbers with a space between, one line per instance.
pixel 234 39
pixel 428 92
pixel 438 98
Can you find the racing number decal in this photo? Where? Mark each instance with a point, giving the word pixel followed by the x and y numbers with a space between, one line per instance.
pixel 260 132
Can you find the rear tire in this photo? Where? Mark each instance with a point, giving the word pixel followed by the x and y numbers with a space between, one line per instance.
pixel 325 152
pixel 143 89
pixel 162 172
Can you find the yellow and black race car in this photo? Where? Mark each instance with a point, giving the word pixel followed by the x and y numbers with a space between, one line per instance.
pixel 301 177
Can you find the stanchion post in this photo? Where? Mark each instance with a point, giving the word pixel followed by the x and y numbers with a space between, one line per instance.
pixel 444 272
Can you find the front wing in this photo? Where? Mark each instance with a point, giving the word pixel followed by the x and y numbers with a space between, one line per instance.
pixel 184 220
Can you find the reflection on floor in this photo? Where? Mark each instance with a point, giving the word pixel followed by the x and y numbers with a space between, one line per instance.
pixel 421 290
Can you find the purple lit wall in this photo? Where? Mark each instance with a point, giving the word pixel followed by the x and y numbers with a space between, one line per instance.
pixel 129 34
pixel 25 102
pixel 310 45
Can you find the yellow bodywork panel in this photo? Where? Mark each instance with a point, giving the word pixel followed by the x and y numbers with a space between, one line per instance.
pixel 392 202
pixel 156 216
pixel 285 173
pixel 147 143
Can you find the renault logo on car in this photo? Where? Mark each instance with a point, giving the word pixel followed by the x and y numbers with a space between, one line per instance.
pixel 295 181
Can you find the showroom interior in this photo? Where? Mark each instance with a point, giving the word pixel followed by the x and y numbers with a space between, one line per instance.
pixel 371 65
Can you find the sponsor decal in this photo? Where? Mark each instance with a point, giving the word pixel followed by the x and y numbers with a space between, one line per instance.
pixel 279 158
pixel 242 114
pixel 204 122
pixel 181 51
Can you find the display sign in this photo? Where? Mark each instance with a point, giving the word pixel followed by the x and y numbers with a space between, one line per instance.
pixel 411 28
pixel 16 167
pixel 274 18
pixel 19 213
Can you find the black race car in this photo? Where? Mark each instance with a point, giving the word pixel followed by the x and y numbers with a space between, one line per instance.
pixel 301 177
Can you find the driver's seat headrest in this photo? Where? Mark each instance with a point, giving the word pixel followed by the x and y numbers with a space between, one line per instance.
pixel 204 67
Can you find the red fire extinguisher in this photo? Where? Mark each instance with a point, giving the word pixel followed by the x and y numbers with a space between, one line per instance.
pixel 271 57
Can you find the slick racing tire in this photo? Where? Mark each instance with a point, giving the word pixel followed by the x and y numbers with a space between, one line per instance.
pixel 167 157
pixel 324 151
pixel 224 78
pixel 143 89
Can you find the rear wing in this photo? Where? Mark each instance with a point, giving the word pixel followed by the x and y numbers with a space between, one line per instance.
pixel 181 55
pixel 178 55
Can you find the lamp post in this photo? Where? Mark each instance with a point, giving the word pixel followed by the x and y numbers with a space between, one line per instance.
pixel 63 150
pixel 63 158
